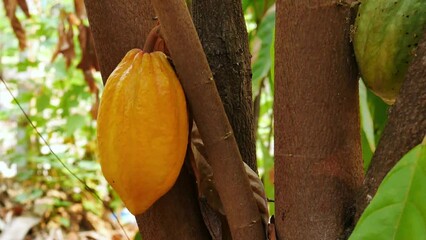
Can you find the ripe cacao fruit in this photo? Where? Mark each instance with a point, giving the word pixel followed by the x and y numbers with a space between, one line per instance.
pixel 386 35
pixel 142 129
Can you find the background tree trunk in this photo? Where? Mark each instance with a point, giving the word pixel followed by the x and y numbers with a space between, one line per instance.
pixel 318 165
pixel 117 27
pixel 225 44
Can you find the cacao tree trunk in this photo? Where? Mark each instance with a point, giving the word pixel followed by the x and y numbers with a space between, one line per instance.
pixel 318 165
pixel 117 27
pixel 225 44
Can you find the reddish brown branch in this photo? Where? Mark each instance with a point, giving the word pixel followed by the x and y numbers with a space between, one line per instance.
pixel 197 80
pixel 405 129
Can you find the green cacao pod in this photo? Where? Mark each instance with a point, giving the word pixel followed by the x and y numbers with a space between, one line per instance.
pixel 386 35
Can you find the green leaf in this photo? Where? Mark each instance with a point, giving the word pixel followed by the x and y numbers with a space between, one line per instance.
pixel 367 127
pixel 65 222
pixel 25 97
pixel 61 203
pixel 272 72
pixel 367 154
pixel 24 64
pixel 29 196
pixel 398 211
pixel 138 236
pixel 43 101
pixel 366 118
pixel 92 206
pixel 25 175
pixel 74 122
pixel 379 113
pixel 262 64
pixel 88 165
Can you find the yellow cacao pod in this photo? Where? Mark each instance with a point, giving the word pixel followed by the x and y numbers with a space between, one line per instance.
pixel 142 129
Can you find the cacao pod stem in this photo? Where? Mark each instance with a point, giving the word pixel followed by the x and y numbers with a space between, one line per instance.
pixel 151 39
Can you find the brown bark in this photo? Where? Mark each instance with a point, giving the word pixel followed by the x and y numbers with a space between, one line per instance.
pixel 221 147
pixel 117 27
pixel 405 129
pixel 225 44
pixel 164 221
pixel 318 166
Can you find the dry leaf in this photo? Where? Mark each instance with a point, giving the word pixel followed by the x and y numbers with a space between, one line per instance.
pixel 206 185
pixel 73 19
pixel 18 29
pixel 204 173
pixel 80 9
pixel 19 32
pixel 65 44
pixel 89 59
pixel 87 63
pixel 95 108
pixel 19 227
pixel 212 220
pixel 10 7
pixel 90 80
pixel 23 5
pixel 271 230
pixel 259 194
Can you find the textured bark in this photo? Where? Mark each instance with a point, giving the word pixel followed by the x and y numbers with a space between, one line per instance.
pixel 225 44
pixel 164 221
pixel 405 129
pixel 209 114
pixel 318 165
pixel 117 27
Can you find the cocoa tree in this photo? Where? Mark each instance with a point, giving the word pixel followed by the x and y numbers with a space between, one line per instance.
pixel 157 223
pixel 319 169
pixel 318 173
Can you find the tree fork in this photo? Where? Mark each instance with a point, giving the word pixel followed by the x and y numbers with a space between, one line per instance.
pixel 405 129
pixel 117 27
pixel 318 164
pixel 209 114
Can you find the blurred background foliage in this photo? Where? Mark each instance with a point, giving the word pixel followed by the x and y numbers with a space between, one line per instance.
pixel 47 59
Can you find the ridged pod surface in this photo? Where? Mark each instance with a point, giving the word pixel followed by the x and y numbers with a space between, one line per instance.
pixel 386 35
pixel 142 129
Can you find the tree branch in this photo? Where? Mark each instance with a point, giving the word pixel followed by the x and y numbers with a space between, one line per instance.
pixel 405 129
pixel 222 150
